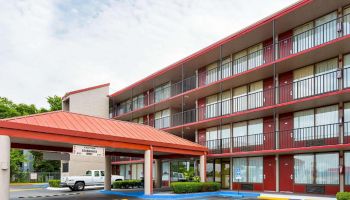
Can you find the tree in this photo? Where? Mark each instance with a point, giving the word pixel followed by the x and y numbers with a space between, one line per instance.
pixel 55 103
pixel 16 159
pixel 11 109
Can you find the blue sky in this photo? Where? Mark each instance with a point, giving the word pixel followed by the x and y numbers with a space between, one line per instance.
pixel 50 47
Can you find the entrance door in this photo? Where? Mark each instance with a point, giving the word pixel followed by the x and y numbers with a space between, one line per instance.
pixel 269 173
pixel 286 173
pixel 225 173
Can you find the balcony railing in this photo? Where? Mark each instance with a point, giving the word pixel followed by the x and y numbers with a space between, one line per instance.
pixel 308 39
pixel 252 142
pixel 307 87
pixel 321 135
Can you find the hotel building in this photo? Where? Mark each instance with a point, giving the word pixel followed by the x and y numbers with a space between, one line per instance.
pixel 271 101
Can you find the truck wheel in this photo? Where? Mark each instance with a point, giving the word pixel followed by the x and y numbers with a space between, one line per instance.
pixel 79 186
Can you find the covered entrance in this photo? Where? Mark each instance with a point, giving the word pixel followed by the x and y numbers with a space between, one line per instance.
pixel 59 131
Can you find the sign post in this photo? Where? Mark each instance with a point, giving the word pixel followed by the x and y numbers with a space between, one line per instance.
pixel 88 151
pixel 238 176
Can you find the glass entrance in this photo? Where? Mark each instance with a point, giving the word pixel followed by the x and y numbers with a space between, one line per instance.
pixel 225 173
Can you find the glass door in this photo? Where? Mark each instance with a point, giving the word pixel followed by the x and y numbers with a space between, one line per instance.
pixel 225 173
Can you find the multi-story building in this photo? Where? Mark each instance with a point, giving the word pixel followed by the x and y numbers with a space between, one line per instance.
pixel 271 101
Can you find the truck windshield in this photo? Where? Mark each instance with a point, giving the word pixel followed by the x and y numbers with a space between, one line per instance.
pixel 102 173
pixel 88 173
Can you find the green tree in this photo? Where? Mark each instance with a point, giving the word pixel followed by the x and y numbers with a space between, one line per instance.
pixel 11 109
pixel 17 158
pixel 55 103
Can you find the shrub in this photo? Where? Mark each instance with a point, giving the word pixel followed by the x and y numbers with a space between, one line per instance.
pixel 343 195
pixel 191 187
pixel 127 184
pixel 54 183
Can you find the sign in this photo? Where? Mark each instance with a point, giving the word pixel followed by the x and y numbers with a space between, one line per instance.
pixel 88 151
pixel 33 176
pixel 238 174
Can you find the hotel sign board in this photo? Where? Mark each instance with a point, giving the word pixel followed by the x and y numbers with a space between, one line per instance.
pixel 88 151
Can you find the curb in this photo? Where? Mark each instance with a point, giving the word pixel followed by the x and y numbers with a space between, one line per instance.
pixel 44 196
pixel 67 189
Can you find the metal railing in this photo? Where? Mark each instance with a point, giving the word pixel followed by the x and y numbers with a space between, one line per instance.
pixel 313 37
pixel 321 135
pixel 251 142
pixel 312 86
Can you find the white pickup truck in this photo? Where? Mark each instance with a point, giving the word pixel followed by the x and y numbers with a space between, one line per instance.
pixel 91 178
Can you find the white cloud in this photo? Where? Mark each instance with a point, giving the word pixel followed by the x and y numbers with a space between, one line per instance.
pixel 51 47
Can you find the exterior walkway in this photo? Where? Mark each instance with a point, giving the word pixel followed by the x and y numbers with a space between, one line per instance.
pixel 270 196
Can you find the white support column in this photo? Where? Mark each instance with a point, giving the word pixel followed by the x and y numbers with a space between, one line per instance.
pixel 148 178
pixel 203 167
pixel 108 173
pixel 158 175
pixel 5 147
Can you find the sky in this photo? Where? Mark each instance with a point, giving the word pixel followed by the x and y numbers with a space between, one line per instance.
pixel 50 47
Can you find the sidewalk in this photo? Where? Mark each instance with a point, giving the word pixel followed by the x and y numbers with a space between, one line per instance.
pixel 279 196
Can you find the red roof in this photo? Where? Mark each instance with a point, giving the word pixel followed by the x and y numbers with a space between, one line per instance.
pixel 85 89
pixel 218 43
pixel 115 130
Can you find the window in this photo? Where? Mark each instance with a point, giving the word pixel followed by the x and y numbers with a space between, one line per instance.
pixel 316 124
pixel 65 167
pixel 347 69
pixel 102 173
pixel 240 131
pixel 240 99
pixel 240 63
pixel 210 170
pixel 347 167
pixel 96 173
pixel 212 106
pixel 88 173
pixel 212 138
pixel 251 169
pixel 248 133
pixel 138 102
pixel 346 119
pixel 226 70
pixel 326 28
pixel 326 122
pixel 122 170
pixel 303 125
pixel 326 76
pixel 226 103
pixel 346 21
pixel 133 171
pixel 303 37
pixel 255 95
pixel 162 92
pixel 162 119
pixel 255 56
pixel 303 169
pixel 165 171
pixel 212 73
pixel 226 136
pixel 327 168
pixel 303 83
pixel 241 164
pixel 138 120
pixel 139 174
pixel 255 132
pixel 255 170
pixel 321 168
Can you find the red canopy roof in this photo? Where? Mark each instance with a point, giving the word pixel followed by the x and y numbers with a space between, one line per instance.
pixel 84 126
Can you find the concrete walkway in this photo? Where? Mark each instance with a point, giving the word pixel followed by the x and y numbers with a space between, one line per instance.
pixel 293 196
